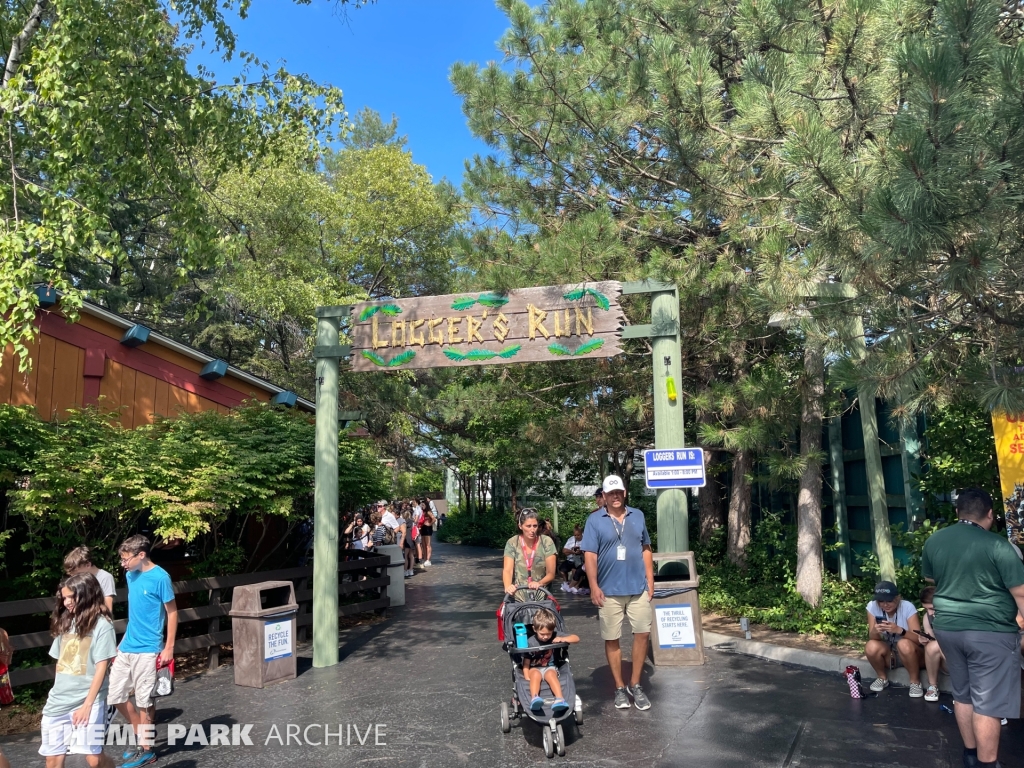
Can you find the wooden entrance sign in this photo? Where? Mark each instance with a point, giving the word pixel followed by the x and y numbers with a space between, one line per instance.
pixel 529 325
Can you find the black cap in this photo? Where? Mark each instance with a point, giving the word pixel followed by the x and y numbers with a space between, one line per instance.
pixel 886 591
pixel 599 491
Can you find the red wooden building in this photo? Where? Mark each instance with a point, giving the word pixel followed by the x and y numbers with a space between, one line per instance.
pixel 108 360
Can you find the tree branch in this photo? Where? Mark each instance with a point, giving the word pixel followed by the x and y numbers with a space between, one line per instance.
pixel 27 33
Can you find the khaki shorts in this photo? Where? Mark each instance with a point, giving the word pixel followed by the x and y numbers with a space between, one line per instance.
pixel 636 607
pixel 133 671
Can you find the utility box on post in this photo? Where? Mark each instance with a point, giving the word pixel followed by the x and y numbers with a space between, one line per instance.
pixel 676 633
pixel 263 632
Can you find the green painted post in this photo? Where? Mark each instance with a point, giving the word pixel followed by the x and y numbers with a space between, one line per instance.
pixel 673 513
pixel 835 451
pixel 325 501
pixel 873 465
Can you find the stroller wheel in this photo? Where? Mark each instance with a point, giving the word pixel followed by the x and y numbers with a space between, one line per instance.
pixel 560 740
pixel 506 723
pixel 549 747
pixel 578 713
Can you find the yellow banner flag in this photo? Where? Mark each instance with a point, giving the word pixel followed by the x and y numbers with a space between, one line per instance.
pixel 1009 433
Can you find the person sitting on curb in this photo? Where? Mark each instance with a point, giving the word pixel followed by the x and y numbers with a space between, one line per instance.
pixel 934 660
pixel 891 624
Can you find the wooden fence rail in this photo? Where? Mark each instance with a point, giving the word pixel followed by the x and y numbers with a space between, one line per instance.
pixel 358 573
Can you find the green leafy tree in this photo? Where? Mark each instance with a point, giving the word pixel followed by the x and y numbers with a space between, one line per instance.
pixel 205 478
pixel 109 140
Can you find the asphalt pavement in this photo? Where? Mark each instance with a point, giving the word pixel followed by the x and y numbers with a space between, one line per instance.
pixel 423 689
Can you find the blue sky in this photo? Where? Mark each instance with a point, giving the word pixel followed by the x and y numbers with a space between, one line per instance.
pixel 393 56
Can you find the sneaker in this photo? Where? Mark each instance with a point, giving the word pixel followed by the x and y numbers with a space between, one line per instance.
pixel 129 753
pixel 559 708
pixel 408 574
pixel 932 694
pixel 573 590
pixel 880 684
pixel 426 563
pixel 582 591
pixel 144 757
pixel 640 700
pixel 621 699
pixel 537 705
pixel 916 691
pixel 565 587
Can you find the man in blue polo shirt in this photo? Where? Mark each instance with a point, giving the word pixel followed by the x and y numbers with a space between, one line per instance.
pixel 620 566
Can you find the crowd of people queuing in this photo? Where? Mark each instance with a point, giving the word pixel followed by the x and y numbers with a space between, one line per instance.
pixel 409 523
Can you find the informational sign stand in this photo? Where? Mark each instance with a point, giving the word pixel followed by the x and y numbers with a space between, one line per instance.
pixel 263 633
pixel 677 637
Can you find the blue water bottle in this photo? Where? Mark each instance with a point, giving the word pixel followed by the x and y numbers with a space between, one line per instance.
pixel 521 636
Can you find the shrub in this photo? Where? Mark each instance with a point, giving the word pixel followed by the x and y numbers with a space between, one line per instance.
pixel 766 591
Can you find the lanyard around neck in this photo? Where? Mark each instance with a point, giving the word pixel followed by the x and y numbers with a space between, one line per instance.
pixel 528 559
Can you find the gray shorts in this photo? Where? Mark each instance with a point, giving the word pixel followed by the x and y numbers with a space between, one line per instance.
pixel 984 668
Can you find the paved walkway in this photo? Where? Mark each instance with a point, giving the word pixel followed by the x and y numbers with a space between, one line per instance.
pixel 433 676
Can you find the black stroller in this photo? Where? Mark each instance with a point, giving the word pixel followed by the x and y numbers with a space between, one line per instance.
pixel 520 609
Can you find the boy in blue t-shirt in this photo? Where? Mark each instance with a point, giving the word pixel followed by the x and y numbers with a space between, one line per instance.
pixel 143 646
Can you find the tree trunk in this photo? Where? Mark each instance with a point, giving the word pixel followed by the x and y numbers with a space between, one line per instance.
pixel 711 502
pixel 739 508
pixel 809 558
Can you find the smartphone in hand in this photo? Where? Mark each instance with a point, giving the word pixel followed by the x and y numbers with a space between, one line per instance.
pixel 924 634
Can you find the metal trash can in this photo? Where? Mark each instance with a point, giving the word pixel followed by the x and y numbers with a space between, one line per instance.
pixel 677 637
pixel 263 632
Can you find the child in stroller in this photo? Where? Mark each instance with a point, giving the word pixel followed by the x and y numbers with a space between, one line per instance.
pixel 540 666
pixel 532 680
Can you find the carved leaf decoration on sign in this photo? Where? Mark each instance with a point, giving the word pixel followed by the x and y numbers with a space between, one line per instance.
pixel 482 354
pixel 582 349
pixel 599 298
pixel 391 310
pixel 394 362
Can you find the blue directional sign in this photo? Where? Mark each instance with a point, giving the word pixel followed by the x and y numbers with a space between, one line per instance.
pixel 674 468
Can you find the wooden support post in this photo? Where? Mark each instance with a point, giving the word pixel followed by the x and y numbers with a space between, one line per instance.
pixel 673 512
pixel 835 452
pixel 213 652
pixel 325 501
pixel 873 465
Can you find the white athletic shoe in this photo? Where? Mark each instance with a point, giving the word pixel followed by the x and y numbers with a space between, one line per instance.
pixel 916 691
pixel 426 563
pixel 932 694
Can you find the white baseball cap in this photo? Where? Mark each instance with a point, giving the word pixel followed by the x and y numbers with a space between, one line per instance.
pixel 613 483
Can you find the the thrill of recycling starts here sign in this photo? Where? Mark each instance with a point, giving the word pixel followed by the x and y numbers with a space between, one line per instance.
pixel 530 325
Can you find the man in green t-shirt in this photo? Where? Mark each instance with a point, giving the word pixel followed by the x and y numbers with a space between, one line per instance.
pixel 979 589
